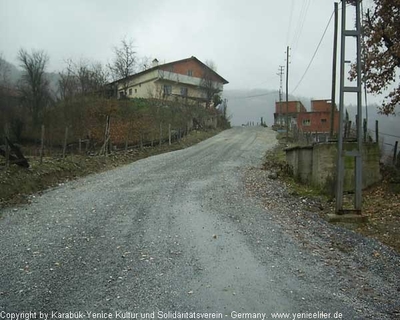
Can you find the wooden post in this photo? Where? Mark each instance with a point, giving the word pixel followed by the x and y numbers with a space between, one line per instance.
pixel 169 134
pixel 80 146
pixel 365 129
pixel 107 140
pixel 65 142
pixel 141 140
pixel 160 133
pixel 6 136
pixel 376 131
pixel 42 145
pixel 395 152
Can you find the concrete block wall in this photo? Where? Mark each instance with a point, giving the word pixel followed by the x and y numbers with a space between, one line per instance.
pixel 316 165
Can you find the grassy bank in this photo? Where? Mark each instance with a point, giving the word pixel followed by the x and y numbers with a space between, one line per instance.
pixel 381 203
pixel 16 183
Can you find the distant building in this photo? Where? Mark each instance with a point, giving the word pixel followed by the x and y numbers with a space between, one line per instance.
pixel 183 79
pixel 318 120
pixel 315 121
pixel 294 108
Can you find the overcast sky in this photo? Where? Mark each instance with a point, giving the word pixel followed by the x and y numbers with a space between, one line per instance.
pixel 246 39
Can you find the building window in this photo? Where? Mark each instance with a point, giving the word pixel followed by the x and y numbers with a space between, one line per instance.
pixel 140 85
pixel 167 90
pixel 306 122
pixel 130 91
pixel 190 73
pixel 122 94
pixel 323 120
pixel 184 92
pixel 135 90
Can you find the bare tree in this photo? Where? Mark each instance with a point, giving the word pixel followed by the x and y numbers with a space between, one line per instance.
pixel 124 63
pixel 4 71
pixel 67 84
pixel 144 63
pixel 34 87
pixel 82 78
pixel 208 84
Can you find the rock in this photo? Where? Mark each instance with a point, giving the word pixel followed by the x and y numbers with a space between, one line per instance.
pixel 273 175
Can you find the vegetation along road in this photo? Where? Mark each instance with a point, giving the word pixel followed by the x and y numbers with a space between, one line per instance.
pixel 178 232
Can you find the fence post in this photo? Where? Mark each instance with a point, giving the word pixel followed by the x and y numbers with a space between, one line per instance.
pixel 80 146
pixel 126 142
pixel 160 133
pixel 65 142
pixel 42 144
pixel 365 129
pixel 395 152
pixel 6 137
pixel 169 134
pixel 141 140
pixel 377 131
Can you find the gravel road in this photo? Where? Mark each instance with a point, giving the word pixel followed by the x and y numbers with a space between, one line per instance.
pixel 175 232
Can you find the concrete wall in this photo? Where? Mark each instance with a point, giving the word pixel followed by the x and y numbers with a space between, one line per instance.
pixel 300 160
pixel 316 165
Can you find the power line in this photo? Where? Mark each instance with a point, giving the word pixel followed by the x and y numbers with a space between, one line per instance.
pixel 315 53
pixel 300 25
pixel 386 134
pixel 290 21
pixel 256 95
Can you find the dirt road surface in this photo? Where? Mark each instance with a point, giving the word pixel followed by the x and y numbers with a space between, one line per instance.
pixel 175 232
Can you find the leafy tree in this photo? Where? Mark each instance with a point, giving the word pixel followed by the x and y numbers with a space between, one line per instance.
pixel 381 28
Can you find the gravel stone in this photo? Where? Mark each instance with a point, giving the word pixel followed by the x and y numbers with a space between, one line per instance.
pixel 201 229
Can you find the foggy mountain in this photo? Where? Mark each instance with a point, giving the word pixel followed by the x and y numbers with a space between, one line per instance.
pixel 14 73
pixel 251 105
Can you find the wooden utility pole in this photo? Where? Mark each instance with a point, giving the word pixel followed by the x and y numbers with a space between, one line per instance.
pixel 334 62
pixel 280 74
pixel 287 94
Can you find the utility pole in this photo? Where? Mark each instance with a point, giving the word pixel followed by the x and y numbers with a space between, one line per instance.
pixel 356 153
pixel 333 96
pixel 280 74
pixel 287 94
